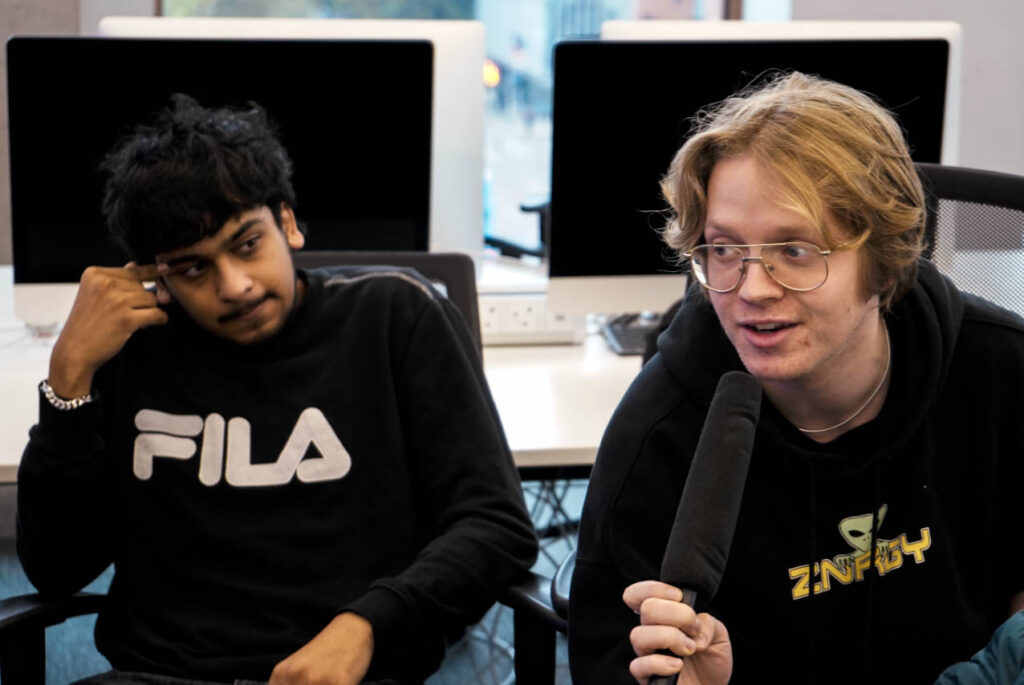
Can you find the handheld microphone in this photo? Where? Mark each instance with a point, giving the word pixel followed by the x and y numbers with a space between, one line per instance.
pixel 698 545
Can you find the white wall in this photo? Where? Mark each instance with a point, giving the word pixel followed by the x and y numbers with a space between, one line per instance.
pixel 91 11
pixel 992 89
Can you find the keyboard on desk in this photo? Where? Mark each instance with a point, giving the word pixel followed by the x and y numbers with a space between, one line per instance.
pixel 628 333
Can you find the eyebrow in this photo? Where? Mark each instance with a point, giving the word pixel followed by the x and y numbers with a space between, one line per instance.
pixel 794 232
pixel 717 231
pixel 188 258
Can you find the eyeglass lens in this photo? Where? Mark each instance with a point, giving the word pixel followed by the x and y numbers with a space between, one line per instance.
pixel 797 266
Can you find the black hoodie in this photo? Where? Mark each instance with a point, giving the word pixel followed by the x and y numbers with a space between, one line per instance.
pixel 941 467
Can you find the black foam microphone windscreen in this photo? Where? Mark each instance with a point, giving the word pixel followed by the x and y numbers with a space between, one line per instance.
pixel 698 545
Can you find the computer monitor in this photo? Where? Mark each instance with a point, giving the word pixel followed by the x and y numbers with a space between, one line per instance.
pixel 622 109
pixel 457 163
pixel 354 115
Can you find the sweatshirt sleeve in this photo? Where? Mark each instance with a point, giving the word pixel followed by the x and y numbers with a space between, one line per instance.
pixel 480 537
pixel 599 648
pixel 599 620
pixel 630 505
pixel 63 497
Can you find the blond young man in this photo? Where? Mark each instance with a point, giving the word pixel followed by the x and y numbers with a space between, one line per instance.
pixel 875 536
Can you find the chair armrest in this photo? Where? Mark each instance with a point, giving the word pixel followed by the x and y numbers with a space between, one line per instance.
pixel 535 625
pixel 23 623
pixel 535 204
pixel 561 584
pixel 509 249
pixel 38 610
pixel 530 598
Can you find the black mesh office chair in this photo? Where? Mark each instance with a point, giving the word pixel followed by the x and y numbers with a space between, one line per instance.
pixel 975 228
pixel 540 612
pixel 975 235
pixel 452 273
pixel 24 619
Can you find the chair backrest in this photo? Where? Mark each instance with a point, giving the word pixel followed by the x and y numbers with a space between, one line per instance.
pixel 452 273
pixel 975 230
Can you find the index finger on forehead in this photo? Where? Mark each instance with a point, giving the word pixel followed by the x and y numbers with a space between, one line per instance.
pixel 144 272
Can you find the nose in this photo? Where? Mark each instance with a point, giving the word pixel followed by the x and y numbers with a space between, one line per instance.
pixel 233 282
pixel 757 283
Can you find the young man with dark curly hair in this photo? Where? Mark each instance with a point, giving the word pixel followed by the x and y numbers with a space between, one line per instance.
pixel 298 476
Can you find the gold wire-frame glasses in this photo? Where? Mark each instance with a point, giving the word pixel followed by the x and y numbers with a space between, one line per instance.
pixel 795 265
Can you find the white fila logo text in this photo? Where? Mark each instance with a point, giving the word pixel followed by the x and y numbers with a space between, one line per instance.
pixel 225 449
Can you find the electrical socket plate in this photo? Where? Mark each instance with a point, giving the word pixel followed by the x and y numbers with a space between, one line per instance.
pixel 523 319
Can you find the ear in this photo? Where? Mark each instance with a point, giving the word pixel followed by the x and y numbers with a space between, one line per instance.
pixel 163 295
pixel 290 227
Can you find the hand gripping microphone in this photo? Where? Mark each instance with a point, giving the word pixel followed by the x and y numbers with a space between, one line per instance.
pixel 698 545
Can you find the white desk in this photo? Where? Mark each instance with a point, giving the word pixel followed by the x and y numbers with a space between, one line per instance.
pixel 23 363
pixel 554 401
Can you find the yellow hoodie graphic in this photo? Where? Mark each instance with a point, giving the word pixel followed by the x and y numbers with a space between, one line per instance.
pixel 850 567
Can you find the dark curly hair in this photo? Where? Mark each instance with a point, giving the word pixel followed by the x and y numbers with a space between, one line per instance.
pixel 181 179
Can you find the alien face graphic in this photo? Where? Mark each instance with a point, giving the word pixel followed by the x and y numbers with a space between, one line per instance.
pixel 856 530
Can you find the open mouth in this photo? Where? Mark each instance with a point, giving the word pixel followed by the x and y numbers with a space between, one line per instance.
pixel 767 327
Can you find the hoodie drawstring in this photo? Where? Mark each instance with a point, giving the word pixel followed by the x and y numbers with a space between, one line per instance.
pixel 814 555
pixel 873 572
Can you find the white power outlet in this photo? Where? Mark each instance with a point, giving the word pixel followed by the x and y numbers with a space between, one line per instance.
pixel 521 315
pixel 523 319
pixel 490 316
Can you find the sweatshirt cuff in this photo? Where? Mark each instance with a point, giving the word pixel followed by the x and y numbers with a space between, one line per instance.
pixel 68 433
pixel 387 612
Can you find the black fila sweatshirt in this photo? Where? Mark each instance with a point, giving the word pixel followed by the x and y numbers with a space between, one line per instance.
pixel 246 495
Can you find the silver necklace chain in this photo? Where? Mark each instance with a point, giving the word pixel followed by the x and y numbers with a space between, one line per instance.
pixel 851 417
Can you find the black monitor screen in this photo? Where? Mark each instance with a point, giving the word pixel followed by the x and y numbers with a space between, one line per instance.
pixel 355 117
pixel 621 110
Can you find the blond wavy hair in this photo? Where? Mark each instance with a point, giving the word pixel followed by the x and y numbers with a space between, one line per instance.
pixel 828 148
